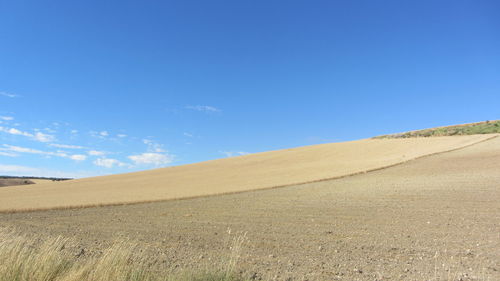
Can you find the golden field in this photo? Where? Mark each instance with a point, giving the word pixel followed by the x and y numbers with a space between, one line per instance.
pixel 230 175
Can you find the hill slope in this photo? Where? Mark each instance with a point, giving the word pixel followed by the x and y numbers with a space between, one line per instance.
pixel 435 218
pixel 485 127
pixel 249 172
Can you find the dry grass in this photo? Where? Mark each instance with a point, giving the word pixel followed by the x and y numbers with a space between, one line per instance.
pixel 24 259
pixel 485 127
pixel 230 175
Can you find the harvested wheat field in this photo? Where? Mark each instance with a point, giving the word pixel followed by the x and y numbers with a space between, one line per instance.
pixel 434 218
pixel 244 173
pixel 43 181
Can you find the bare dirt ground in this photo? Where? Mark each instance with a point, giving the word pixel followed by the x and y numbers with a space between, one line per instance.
pixel 435 218
pixel 23 181
pixel 14 182
pixel 235 174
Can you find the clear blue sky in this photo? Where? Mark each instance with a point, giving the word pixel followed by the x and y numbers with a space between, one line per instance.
pixel 99 87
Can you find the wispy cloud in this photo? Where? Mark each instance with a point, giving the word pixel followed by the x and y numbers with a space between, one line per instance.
pixel 234 153
pixel 67 146
pixel 108 163
pixel 153 146
pixel 203 108
pixel 150 158
pixel 100 134
pixel 12 148
pixel 96 153
pixel 23 149
pixel 156 155
pixel 38 136
pixel 78 157
pixel 61 143
pixel 14 131
pixel 8 154
pixel 16 170
pixel 19 149
pixel 41 137
pixel 9 95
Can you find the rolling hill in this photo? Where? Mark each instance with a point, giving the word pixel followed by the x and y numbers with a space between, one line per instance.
pixel 229 175
pixel 485 127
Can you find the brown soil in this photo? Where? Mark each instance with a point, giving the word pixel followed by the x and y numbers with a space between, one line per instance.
pixel 14 182
pixel 435 218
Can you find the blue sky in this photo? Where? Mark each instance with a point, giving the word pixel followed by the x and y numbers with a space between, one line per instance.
pixel 99 87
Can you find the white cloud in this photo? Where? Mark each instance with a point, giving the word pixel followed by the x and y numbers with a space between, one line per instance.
pixel 6 118
pixel 74 131
pixel 101 134
pixel 121 135
pixel 67 146
pixel 14 131
pixel 78 157
pixel 203 108
pixel 96 153
pixel 150 158
pixel 22 149
pixel 155 155
pixel 188 135
pixel 19 149
pixel 108 162
pixel 153 146
pixel 234 153
pixel 41 137
pixel 9 95
pixel 9 154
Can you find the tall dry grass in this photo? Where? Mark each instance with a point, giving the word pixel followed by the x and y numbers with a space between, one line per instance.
pixel 26 259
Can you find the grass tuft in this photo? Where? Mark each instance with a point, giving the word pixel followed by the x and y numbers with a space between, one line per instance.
pixel 24 259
